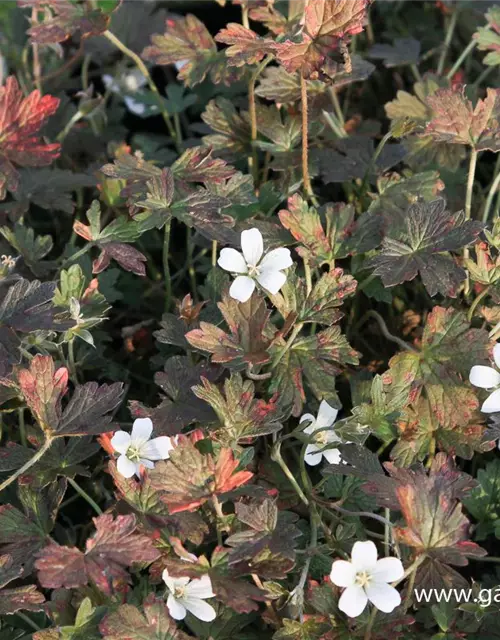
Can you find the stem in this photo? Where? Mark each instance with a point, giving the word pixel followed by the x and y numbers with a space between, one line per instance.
pixel 307 272
pixel 220 516
pixel 71 360
pixel 373 162
pixel 470 47
pixel 22 427
pixel 77 255
pixel 313 543
pixel 416 72
pixel 468 205
pixel 385 331
pixel 334 126
pixel 166 267
pixel 371 620
pixel 305 142
pixel 387 531
pixel 85 496
pixel 31 623
pixel 144 70
pixel 336 105
pixel 277 457
pixel 447 41
pixel 477 300
pixel 491 195
pixel 278 357
pixel 27 465
pixel 37 69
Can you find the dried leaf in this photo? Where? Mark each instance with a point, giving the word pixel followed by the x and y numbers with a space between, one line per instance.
pixel 246 47
pixel 114 546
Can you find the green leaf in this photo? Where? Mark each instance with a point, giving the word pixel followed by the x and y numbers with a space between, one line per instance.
pixel 483 502
pixel 488 38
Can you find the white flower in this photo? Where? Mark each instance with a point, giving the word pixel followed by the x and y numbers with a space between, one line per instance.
pixel 366 579
pixel 266 270
pixel 316 450
pixel 129 82
pixel 488 378
pixel 137 449
pixel 189 595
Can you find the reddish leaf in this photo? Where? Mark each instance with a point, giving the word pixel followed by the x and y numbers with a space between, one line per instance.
pixel 189 478
pixel 63 18
pixel 246 46
pixel 43 388
pixel 20 122
pixel 114 546
pixel 26 598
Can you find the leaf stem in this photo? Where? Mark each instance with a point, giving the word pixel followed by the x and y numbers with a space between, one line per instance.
pixel 371 621
pixel 470 47
pixel 385 331
pixel 166 267
pixel 491 194
pixel 447 41
pixel 373 162
pixel 144 70
pixel 22 427
pixel 468 204
pixel 477 300
pixel 85 496
pixel 305 140
pixel 27 465
pixel 277 457
pixel 278 357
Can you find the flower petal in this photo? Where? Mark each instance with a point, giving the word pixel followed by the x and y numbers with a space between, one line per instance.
pixel 232 260
pixel 110 83
pixel 492 403
pixel 200 588
pixel 147 464
pixel 484 377
pixel 120 441
pixel 199 608
pixel 276 260
pixel 157 448
pixel 326 414
pixel 272 281
pixel 388 570
pixel 343 573
pixel 364 556
pixel 332 455
pixel 496 354
pixel 142 430
pixel 173 583
pixel 353 601
pixel 125 466
pixel 134 106
pixel 176 609
pixel 252 245
pixel 383 596
pixel 242 288
pixel 311 456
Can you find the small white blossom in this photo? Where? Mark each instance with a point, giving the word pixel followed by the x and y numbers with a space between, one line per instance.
pixel 322 436
pixel 137 449
pixel 189 595
pixel 129 82
pixel 367 579
pixel 488 378
pixel 267 270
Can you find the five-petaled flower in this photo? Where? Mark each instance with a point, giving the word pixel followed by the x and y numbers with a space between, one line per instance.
pixel 251 266
pixel 488 378
pixel 322 435
pixel 366 579
pixel 137 449
pixel 189 595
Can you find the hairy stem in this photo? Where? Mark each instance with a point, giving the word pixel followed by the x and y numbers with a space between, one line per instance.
pixel 468 204
pixel 447 41
pixel 278 357
pixel 305 141
pixel 477 300
pixel 27 465
pixel 166 266
pixel 144 70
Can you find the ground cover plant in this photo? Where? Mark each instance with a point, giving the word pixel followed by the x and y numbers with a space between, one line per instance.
pixel 249 311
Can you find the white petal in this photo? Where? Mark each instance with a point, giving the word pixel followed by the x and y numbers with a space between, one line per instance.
pixel 199 608
pixel 496 354
pixel 157 448
pixel 492 403
pixel 364 556
pixel 173 583
pixel 343 573
pixel 175 608
pixel 383 596
pixel 353 601
pixel 307 416
pixel 388 570
pixel 134 106
pixel 200 588
pixel 332 455
pixel 120 441
pixel 180 63
pixel 146 464
pixel 252 245
pixel 276 260
pixel 311 456
pixel 484 377
pixel 134 79
pixel 125 466
pixel 142 430
pixel 326 414
pixel 242 288
pixel 110 83
pixel 272 281
pixel 232 260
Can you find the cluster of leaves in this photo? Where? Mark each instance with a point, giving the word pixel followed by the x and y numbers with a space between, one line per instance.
pixel 135 144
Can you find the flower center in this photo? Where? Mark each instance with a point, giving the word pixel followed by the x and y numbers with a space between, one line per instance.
pixel 363 578
pixel 179 592
pixel 321 438
pixel 134 453
pixel 7 261
pixel 253 270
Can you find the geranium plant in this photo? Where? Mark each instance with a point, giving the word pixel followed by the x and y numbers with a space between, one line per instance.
pixel 249 320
